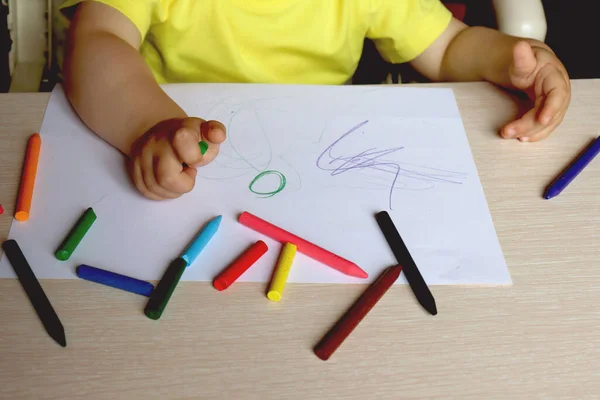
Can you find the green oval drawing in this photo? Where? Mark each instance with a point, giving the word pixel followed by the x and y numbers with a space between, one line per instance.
pixel 282 182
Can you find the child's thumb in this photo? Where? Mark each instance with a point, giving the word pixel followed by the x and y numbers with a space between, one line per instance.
pixel 522 70
pixel 213 131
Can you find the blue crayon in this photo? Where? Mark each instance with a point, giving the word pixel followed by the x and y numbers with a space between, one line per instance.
pixel 573 170
pixel 200 242
pixel 115 280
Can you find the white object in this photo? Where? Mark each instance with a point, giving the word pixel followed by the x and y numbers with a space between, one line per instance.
pixel 29 31
pixel 523 18
pixel 346 152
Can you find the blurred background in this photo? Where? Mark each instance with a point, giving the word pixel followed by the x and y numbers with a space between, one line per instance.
pixel 32 35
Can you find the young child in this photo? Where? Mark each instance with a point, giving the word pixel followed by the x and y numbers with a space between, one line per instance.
pixel 121 50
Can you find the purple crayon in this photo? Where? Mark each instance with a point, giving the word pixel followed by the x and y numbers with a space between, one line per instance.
pixel 573 170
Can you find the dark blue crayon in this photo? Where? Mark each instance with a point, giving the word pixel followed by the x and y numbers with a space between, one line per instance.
pixel 115 280
pixel 573 170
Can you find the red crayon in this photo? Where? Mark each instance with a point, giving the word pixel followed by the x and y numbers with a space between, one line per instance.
pixel 305 247
pixel 342 329
pixel 240 265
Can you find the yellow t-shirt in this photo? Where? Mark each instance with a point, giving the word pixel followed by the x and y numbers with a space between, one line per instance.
pixel 276 41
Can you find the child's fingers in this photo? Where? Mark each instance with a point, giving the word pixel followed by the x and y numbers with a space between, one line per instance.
pixel 536 131
pixel 213 132
pixel 553 104
pixel 147 164
pixel 552 98
pixel 185 144
pixel 544 133
pixel 523 126
pixel 138 181
pixel 523 66
pixel 211 154
pixel 192 172
pixel 194 124
pixel 556 91
pixel 547 130
pixel 171 176
pixel 210 131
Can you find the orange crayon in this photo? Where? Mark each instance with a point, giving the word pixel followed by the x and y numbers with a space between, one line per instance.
pixel 28 178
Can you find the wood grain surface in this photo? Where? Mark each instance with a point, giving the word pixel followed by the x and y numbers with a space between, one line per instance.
pixel 536 339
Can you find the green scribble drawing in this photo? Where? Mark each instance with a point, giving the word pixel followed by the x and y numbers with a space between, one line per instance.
pixel 251 162
pixel 282 182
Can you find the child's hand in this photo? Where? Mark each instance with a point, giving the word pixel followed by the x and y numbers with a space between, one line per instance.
pixel 539 73
pixel 157 157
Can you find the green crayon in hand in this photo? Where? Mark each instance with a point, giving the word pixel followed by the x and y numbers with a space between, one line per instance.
pixel 203 146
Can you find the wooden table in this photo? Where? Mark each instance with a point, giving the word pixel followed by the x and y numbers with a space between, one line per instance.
pixel 538 338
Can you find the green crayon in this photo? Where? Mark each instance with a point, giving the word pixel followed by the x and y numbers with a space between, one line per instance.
pixel 203 146
pixel 68 246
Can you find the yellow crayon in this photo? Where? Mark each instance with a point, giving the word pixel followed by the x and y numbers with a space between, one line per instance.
pixel 286 258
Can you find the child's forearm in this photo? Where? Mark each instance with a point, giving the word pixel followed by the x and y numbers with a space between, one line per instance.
pixel 113 91
pixel 479 53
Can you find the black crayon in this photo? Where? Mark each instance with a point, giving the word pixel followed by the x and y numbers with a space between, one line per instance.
pixel 413 276
pixel 34 291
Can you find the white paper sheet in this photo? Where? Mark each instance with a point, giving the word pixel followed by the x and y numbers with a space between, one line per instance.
pixel 346 153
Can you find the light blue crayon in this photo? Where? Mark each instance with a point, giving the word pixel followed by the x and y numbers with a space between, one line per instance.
pixel 200 242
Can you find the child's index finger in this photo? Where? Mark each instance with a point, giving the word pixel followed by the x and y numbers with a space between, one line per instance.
pixel 553 104
pixel 556 92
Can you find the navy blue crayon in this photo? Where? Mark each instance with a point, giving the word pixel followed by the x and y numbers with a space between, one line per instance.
pixel 573 170
pixel 115 280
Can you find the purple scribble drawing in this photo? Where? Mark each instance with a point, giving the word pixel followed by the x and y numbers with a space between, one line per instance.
pixel 373 159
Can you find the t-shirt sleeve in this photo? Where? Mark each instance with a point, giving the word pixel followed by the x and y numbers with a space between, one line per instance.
pixel 142 13
pixel 403 29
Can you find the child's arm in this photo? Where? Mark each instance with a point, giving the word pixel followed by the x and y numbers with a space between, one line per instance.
pixel 470 54
pixel 107 81
pixel 116 95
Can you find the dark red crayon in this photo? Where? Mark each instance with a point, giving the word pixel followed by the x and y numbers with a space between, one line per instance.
pixel 240 265
pixel 342 329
